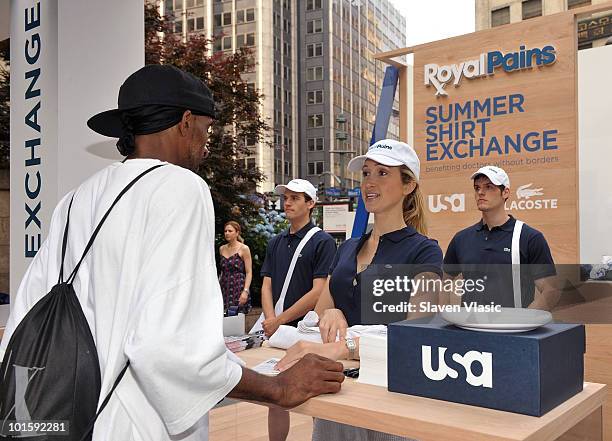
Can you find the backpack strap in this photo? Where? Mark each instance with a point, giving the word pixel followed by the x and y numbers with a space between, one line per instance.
pixel 97 230
pixel 105 402
pixel 64 242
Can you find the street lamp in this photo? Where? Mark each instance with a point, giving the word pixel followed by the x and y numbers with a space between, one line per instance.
pixel 341 135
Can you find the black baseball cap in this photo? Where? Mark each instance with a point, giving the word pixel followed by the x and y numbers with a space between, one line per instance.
pixel 155 84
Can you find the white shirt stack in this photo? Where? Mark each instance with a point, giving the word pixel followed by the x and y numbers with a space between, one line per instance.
pixel 373 359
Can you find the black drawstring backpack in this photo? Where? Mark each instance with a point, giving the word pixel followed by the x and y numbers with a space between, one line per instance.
pixel 50 375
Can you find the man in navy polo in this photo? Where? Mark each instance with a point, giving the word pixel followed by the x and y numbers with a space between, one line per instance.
pixel 312 265
pixel 307 280
pixel 484 251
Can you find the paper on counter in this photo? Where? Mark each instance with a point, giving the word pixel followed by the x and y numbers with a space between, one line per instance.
pixel 268 367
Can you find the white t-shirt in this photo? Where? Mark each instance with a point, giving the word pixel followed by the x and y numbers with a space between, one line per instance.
pixel 149 290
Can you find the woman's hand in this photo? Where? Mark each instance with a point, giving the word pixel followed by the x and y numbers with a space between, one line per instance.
pixel 332 323
pixel 333 351
pixel 244 297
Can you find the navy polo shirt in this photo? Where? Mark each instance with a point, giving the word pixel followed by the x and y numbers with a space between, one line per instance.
pixel 475 247
pixel 313 263
pixel 405 246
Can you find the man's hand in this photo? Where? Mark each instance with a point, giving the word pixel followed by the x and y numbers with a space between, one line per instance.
pixel 331 323
pixel 333 351
pixel 311 376
pixel 270 326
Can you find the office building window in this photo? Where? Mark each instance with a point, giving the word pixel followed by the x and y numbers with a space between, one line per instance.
pixel 311 5
pixel 168 8
pixel 250 140
pixel 314 73
pixel 227 43
pixel 315 97
pixel 531 9
pixel 199 23
pixel 285 120
pixel 178 26
pixel 315 168
pixel 315 144
pixel 314 50
pixel 224 19
pixel 500 16
pixel 178 4
pixel 287 168
pixel 245 15
pixel 571 4
pixel 315 121
pixel 314 26
pixel 243 40
pixel 287 72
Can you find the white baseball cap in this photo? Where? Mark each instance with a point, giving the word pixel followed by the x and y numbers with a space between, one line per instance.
pixel 389 152
pixel 497 175
pixel 299 186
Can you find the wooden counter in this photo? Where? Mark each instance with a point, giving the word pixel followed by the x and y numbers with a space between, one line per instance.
pixel 372 407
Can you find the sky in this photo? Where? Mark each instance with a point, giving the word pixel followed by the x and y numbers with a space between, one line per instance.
pixel 430 20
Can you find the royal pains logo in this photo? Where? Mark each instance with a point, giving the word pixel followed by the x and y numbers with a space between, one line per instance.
pixel 528 199
pixel 485 65
pixel 454 202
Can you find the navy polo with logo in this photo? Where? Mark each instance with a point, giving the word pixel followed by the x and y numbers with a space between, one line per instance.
pixel 313 263
pixel 477 251
pixel 401 247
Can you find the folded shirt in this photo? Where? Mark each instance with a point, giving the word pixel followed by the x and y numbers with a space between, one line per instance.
pixel 307 330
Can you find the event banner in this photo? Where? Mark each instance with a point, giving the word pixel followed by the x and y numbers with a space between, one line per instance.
pixel 504 97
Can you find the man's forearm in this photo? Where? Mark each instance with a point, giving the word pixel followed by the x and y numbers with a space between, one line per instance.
pixel 266 303
pixel 301 307
pixel 256 387
pixel 546 300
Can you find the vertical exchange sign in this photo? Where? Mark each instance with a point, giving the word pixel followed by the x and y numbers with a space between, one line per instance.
pixel 33 127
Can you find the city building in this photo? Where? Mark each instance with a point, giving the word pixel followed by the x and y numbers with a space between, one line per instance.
pixel 315 68
pixel 592 32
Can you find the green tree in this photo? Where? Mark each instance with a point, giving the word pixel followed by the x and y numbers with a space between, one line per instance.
pixel 238 117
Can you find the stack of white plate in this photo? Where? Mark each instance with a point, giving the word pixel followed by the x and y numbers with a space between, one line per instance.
pixel 373 359
pixel 505 320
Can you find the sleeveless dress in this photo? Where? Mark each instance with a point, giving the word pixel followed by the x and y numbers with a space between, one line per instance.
pixel 233 274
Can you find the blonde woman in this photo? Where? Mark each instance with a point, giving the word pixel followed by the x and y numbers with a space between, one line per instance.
pixel 390 190
pixel 236 269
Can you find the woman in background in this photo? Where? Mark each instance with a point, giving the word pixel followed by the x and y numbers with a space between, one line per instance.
pixel 236 270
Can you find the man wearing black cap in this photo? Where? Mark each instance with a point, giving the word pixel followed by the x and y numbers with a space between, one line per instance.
pixel 148 286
